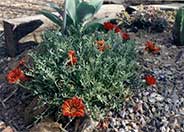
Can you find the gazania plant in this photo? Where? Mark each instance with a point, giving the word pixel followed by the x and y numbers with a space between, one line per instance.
pixel 73 107
pixel 87 75
pixel 16 75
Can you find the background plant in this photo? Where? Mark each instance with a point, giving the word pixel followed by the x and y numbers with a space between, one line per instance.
pixel 149 18
pixel 178 30
pixel 102 79
pixel 77 15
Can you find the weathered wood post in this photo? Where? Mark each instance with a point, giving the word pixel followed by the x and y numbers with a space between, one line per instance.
pixel 15 30
pixel 10 42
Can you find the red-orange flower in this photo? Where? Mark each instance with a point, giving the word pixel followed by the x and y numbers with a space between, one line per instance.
pixel 117 30
pixel 73 60
pixel 100 42
pixel 71 53
pixel 150 79
pixel 21 62
pixel 125 36
pixel 109 26
pixel 16 75
pixel 72 57
pixel 73 107
pixel 101 45
pixel 151 47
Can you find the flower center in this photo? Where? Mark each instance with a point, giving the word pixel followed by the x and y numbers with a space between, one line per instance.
pixel 73 110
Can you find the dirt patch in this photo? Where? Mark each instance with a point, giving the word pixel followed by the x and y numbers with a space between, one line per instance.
pixel 20 8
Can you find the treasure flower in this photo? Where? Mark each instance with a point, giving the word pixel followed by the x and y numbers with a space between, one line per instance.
pixel 16 75
pixel 109 26
pixel 71 53
pixel 72 57
pixel 117 30
pixel 100 45
pixel 151 47
pixel 125 36
pixel 73 107
pixel 150 80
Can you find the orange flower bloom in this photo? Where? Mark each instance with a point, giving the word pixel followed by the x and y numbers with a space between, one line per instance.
pixel 102 48
pixel 150 80
pixel 101 45
pixel 108 26
pixel 125 36
pixel 73 107
pixel 71 53
pixel 73 58
pixel 16 75
pixel 150 46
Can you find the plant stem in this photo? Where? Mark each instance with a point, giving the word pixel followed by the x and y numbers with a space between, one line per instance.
pixel 6 99
pixel 65 17
pixel 69 122
pixel 21 85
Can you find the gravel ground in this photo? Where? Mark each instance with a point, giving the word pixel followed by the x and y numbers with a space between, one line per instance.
pixel 158 108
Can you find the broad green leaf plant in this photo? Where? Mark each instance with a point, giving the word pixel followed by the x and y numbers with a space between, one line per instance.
pixel 77 15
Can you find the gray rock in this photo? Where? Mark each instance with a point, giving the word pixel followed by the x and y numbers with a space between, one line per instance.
pixel 154 97
pixel 121 130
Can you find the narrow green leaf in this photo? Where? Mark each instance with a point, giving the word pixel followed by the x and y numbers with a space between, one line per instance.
pixel 54 18
pixel 71 9
pixel 56 8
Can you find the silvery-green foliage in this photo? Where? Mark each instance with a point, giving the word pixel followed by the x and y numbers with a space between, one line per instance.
pixel 101 79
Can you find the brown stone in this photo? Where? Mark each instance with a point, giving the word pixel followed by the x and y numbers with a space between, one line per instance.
pixel 47 125
pixel 2 125
pixel 8 129
pixel 33 110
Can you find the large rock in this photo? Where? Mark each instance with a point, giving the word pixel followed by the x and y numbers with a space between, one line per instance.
pixel 110 10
